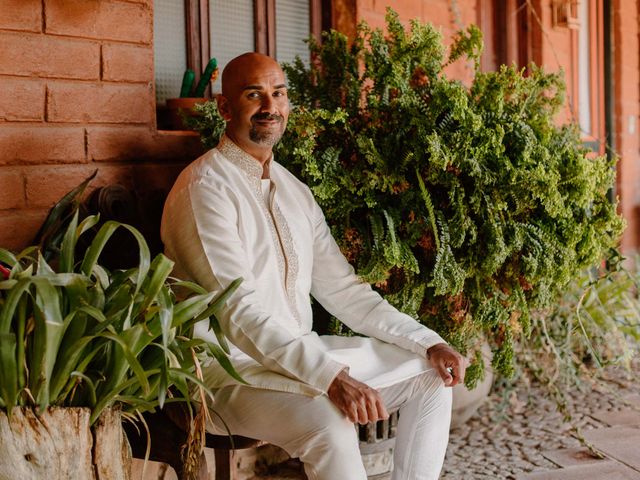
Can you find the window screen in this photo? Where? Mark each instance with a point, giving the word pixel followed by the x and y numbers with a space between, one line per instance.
pixel 232 28
pixel 292 29
pixel 584 70
pixel 170 47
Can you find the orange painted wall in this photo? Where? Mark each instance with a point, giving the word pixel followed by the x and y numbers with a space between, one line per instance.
pixel 76 94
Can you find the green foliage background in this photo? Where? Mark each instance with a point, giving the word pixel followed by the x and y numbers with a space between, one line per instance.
pixel 467 207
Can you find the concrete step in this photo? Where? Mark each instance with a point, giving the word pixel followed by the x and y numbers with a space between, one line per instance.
pixel 569 457
pixel 606 470
pixel 620 443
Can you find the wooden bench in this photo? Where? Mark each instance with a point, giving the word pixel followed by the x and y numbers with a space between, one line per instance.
pixel 168 430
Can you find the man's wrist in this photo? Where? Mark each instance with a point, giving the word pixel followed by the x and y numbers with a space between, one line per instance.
pixel 436 347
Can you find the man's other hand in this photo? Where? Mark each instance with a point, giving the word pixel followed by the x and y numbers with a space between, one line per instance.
pixel 449 363
pixel 359 402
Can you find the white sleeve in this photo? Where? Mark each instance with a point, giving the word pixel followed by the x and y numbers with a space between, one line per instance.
pixel 343 294
pixel 200 230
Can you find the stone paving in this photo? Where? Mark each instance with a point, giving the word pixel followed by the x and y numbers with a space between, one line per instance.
pixel 518 434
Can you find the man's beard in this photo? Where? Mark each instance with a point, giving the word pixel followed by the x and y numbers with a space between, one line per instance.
pixel 269 138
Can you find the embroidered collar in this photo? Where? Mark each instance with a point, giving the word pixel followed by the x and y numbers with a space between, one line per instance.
pixel 240 158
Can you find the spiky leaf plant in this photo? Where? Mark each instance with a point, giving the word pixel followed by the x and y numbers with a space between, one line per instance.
pixel 80 335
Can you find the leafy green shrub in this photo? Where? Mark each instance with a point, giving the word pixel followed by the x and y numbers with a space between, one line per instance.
pixel 84 336
pixel 466 206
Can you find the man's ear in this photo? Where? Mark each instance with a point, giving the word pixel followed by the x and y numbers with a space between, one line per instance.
pixel 223 107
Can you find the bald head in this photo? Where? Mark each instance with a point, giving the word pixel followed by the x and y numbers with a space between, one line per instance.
pixel 244 66
pixel 254 103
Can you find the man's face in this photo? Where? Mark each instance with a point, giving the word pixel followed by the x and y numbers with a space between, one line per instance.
pixel 256 106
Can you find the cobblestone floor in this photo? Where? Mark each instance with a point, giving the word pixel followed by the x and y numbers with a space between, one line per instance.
pixel 508 434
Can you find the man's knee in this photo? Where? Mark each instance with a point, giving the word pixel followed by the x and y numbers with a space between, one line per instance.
pixel 431 386
pixel 326 429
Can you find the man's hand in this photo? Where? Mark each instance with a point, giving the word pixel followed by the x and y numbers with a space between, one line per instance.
pixel 449 363
pixel 359 402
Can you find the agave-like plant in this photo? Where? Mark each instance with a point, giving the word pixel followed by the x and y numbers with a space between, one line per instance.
pixel 74 334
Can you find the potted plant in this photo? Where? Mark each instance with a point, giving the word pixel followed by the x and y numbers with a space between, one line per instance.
pixel 82 348
pixel 183 106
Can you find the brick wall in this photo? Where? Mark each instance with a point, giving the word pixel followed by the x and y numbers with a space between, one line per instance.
pixel 626 106
pixel 76 94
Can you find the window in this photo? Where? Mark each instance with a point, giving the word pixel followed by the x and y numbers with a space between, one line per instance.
pixel 507 34
pixel 170 47
pixel 187 34
pixel 588 74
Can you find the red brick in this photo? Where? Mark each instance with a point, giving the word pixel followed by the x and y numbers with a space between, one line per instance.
pixel 46 185
pixel 127 63
pixel 11 189
pixel 21 99
pixel 136 144
pixel 103 19
pixel 18 229
pixel 41 144
pixel 46 56
pixel 100 103
pixel 23 15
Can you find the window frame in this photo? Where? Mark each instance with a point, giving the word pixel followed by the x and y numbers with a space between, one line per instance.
pixel 508 36
pixel 198 33
pixel 595 139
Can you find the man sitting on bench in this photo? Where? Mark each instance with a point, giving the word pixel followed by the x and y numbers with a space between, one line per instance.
pixel 236 212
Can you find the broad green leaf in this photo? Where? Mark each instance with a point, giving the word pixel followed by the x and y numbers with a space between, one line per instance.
pixel 224 361
pixel 8 309
pixel 86 359
pixel 67 258
pixel 190 308
pixel 131 343
pixel 47 299
pixel 7 257
pixel 50 232
pixel 109 397
pixel 68 362
pixel 191 286
pixel 161 268
pixel 88 223
pixel 90 386
pixel 94 251
pixel 21 340
pixel 8 372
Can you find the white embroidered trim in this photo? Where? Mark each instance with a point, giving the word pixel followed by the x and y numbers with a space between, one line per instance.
pixel 280 233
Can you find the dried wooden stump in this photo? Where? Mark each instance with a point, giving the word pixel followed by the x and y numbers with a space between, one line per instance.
pixel 59 444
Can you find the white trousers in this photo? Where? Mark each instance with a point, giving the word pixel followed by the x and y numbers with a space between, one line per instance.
pixel 314 430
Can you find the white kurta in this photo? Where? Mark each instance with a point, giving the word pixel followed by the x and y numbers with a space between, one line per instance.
pixel 218 225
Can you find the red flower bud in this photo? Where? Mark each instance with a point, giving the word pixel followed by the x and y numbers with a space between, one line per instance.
pixel 4 272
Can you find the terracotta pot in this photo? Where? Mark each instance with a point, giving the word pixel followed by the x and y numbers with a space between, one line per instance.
pixel 182 106
pixel 465 401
